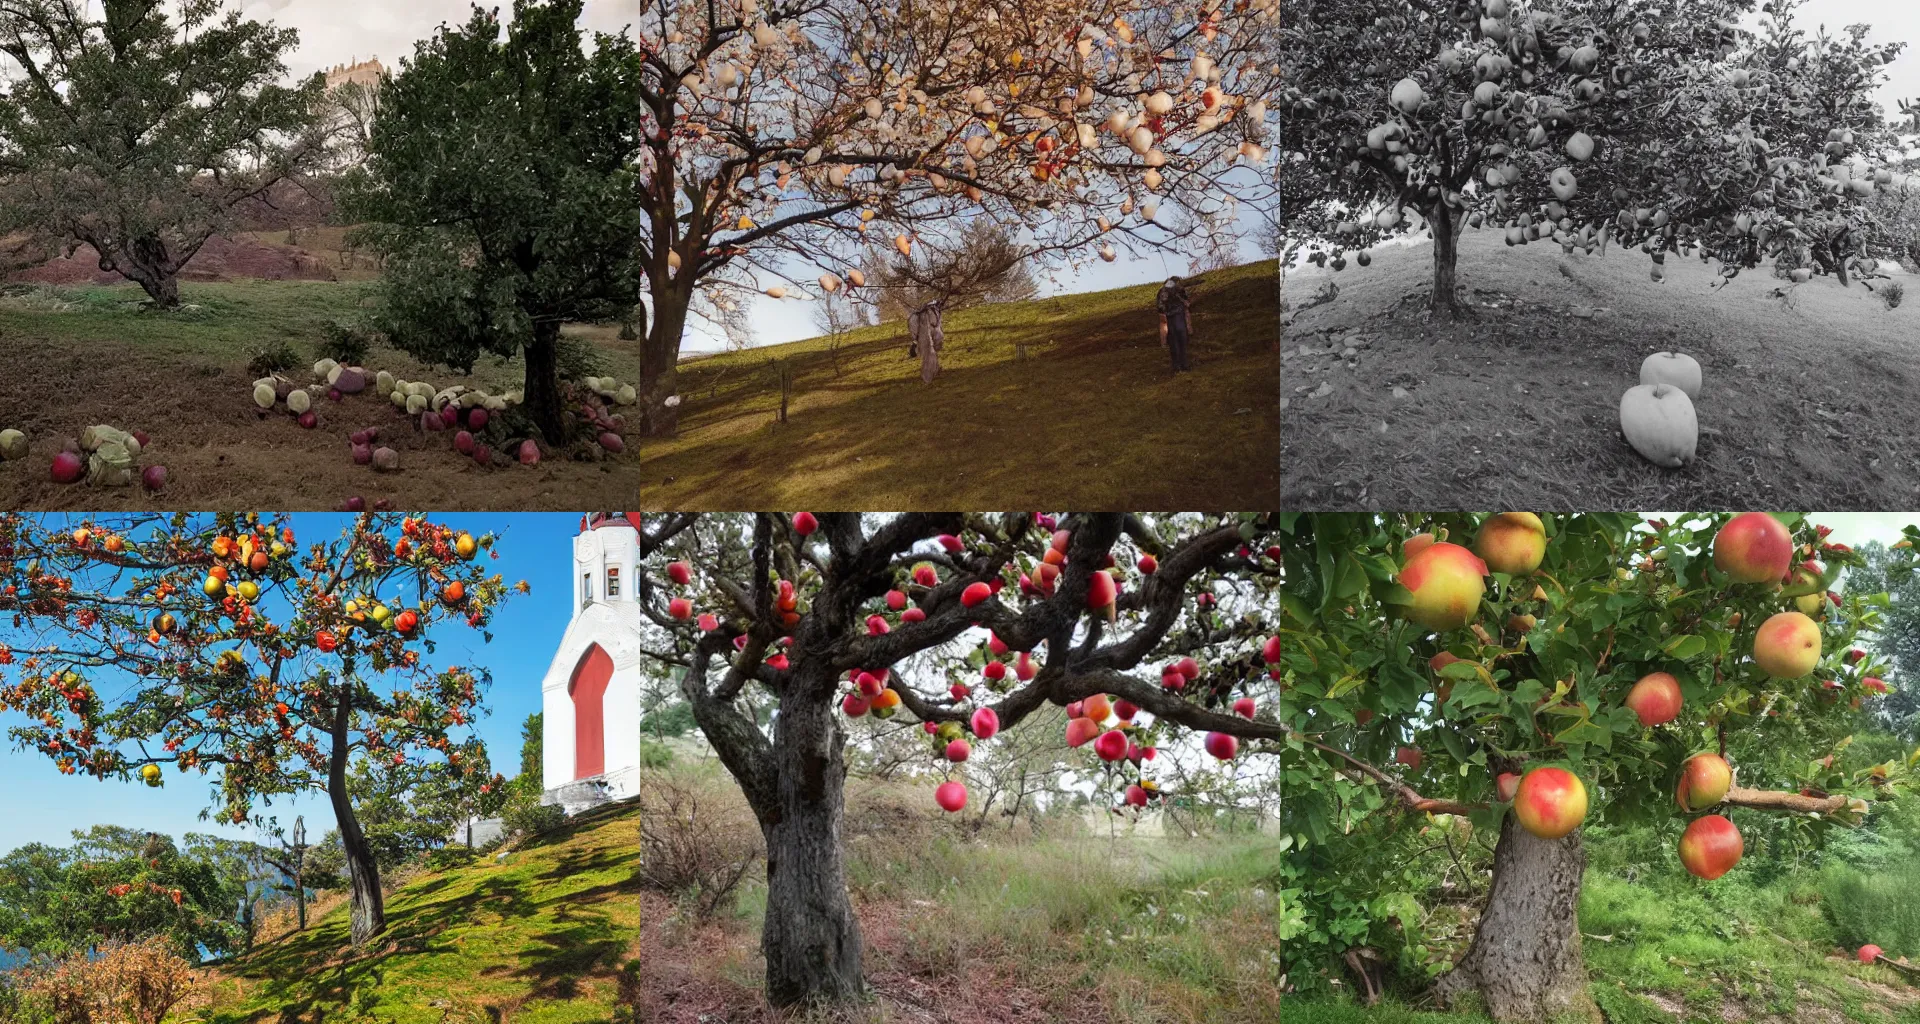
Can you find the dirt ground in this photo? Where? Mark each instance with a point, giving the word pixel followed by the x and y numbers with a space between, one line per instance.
pixel 1807 401
pixel 220 455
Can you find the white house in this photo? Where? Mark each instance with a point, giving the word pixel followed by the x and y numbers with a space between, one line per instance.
pixel 590 700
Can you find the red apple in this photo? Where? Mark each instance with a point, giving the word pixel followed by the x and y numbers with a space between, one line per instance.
pixel 995 644
pixel 1710 846
pixel 1869 953
pixel 854 705
pixel 896 600
pixel 877 625
pixel 958 750
pixel 913 615
pixel 680 608
pixel 1415 544
pixel 804 523
pixel 708 623
pixel 959 691
pixel 1874 685
pixel 1447 582
pixel 1111 746
pixel 951 796
pixel 1753 548
pixel 1550 802
pixel 1080 730
pixel 1096 707
pixel 1409 756
pixel 1124 710
pixel 1270 651
pixel 1222 745
pixel 974 594
pixel 1101 593
pixel 1023 667
pixel 1508 784
pixel 995 670
pixel 1655 698
pixel 985 723
pixel 924 575
pixel 950 543
pixel 1243 707
pixel 1511 542
pixel 1148 564
pixel 869 684
pixel 1136 797
pixel 1704 781
pixel 1787 646
pixel 1188 667
pixel 680 572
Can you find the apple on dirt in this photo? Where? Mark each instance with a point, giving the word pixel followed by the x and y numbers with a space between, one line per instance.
pixel 1674 368
pixel 1659 422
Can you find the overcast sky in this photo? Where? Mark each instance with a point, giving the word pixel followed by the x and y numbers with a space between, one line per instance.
pixel 338 31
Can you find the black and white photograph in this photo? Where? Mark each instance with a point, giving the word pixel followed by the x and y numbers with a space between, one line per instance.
pixel 1598 255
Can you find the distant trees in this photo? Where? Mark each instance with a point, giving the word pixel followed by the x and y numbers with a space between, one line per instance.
pixel 499 187
pixel 120 885
pixel 984 264
pixel 139 135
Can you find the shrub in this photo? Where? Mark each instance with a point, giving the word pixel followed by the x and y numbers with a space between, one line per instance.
pixel 575 358
pixel 533 819
pixel 1881 907
pixel 697 842
pixel 272 357
pixel 655 755
pixel 345 342
pixel 1892 293
pixel 135 982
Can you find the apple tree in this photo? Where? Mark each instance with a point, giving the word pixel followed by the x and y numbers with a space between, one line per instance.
pixel 212 644
pixel 967 625
pixel 788 132
pixel 1665 126
pixel 1536 672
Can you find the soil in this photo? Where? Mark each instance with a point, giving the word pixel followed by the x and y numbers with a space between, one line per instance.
pixel 220 455
pixel 220 259
pixel 1807 396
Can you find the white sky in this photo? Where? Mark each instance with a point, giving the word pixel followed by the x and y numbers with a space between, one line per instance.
pixel 339 31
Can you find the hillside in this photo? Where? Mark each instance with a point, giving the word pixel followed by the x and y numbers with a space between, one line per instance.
pixel 1519 404
pixel 539 939
pixel 1055 401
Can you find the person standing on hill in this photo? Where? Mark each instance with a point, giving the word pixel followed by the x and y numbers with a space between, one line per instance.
pixel 1172 302
pixel 928 338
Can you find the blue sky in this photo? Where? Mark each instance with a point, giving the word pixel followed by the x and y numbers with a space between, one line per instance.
pixel 38 804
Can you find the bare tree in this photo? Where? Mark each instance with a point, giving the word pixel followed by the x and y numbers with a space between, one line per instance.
pixel 984 264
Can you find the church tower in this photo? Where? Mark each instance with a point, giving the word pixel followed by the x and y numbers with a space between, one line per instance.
pixel 590 699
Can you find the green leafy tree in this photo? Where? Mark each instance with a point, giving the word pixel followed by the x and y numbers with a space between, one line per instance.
pixel 499 182
pixel 1898 637
pixel 231 654
pixel 139 135
pixel 120 885
pixel 1665 126
pixel 1424 684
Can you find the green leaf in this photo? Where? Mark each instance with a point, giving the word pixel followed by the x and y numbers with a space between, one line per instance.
pixel 1684 646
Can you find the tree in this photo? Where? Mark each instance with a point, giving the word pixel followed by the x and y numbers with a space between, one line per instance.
pixel 140 136
pixel 778 135
pixel 119 885
pixel 985 264
pixel 1897 638
pixel 232 655
pixel 811 615
pixel 500 188
pixel 1659 125
pixel 1395 702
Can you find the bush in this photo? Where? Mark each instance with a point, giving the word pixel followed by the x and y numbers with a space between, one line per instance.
pixel 270 358
pixel 575 358
pixel 655 755
pixel 1892 293
pixel 697 842
pixel 345 342
pixel 133 982
pixel 533 819
pixel 1881 907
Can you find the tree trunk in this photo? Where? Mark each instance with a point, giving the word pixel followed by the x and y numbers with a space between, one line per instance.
pixel 812 940
pixel 659 360
pixel 1446 256
pixel 542 384
pixel 1524 961
pixel 146 263
pixel 369 907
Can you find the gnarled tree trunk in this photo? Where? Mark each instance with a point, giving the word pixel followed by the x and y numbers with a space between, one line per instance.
pixel 811 940
pixel 146 262
pixel 1524 961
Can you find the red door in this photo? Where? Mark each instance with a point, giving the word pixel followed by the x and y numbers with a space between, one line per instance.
pixel 589 687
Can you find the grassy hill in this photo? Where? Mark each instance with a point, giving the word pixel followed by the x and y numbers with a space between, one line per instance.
pixel 542 938
pixel 1066 400
pixel 1807 389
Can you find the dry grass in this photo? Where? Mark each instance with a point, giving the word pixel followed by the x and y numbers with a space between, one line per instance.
pixel 1092 415
pixel 1806 399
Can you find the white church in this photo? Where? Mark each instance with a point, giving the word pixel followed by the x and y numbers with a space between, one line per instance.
pixel 591 696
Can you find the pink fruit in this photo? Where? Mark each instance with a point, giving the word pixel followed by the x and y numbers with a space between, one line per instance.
pixel 1111 746
pixel 951 796
pixel 309 420
pixel 355 504
pixel 463 443
pixel 155 477
pixel 854 705
pixel 958 750
pixel 959 691
pixel 1222 745
pixel 1080 730
pixel 529 453
pixel 1124 710
pixel 483 455
pixel 985 723
pixel 1148 564
pixel 1243 707
pixel 449 415
pixel 362 454
pixel 1869 953
pixel 1136 797
pixel 67 468
pixel 1188 667
pixel 141 436
pixel 803 522
pixel 913 615
pixel 612 442
pixel 334 394
pixel 708 623
pixel 895 599
pixel 476 418
pixel 680 608
pixel 1270 651
pixel 974 594
pixel 428 421
pixel 996 670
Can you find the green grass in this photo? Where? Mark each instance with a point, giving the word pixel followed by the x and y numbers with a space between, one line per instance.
pixel 1091 414
pixel 218 321
pixel 537 940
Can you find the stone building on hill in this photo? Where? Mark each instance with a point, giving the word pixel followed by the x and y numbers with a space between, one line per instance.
pixel 365 72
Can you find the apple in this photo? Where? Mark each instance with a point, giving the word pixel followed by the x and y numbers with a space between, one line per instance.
pixel 876 625
pixel 913 615
pixel 1787 645
pixel 1447 582
pixel 1244 707
pixel 1409 756
pixel 1680 370
pixel 1874 685
pixel 950 543
pixel 1580 147
pixel 951 796
pixel 869 684
pixel 1655 698
pixel 1222 745
pixel 1124 710
pixel 680 608
pixel 1096 707
pixel 924 575
pixel 1023 667
pixel 1704 781
pixel 958 750
pixel 804 524
pixel 1148 564
pixel 1136 796
pixel 1511 542
pixel 896 600
pixel 1407 96
pixel 995 644
pixel 1869 953
pixel 1562 182
pixel 1270 651
pixel 995 670
pixel 1753 548
pixel 1415 544
pixel 974 594
pixel 985 723
pixel 1080 730
pixel 1710 846
pixel 1508 783
pixel 678 572
pixel 151 774
pixel 1550 802
pixel 1111 746
pixel 708 623
pixel 1102 593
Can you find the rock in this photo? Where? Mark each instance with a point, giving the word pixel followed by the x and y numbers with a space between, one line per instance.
pixel 1349 352
pixel 1325 389
pixel 1399 392
pixel 1583 312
